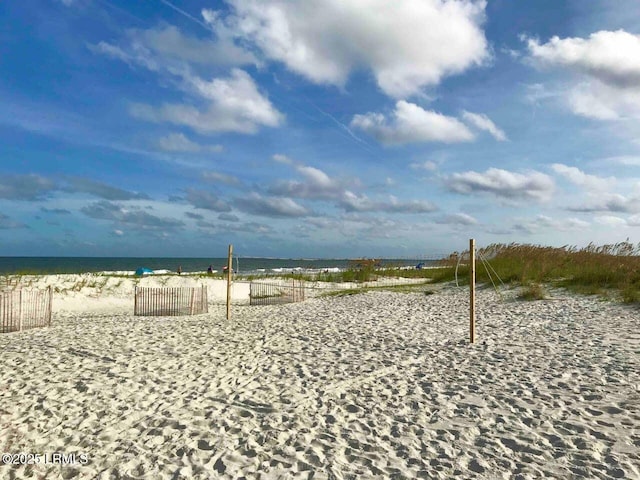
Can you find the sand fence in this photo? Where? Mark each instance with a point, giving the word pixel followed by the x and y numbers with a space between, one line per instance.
pixel 25 309
pixel 149 301
pixel 271 293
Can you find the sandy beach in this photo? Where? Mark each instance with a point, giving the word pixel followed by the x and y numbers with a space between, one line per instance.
pixel 374 385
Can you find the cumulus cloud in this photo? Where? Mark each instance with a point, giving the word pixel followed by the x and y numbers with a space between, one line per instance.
pixel 610 202
pixel 235 105
pixel 216 177
pixel 316 185
pixel 351 202
pixel 540 224
pixel 578 177
pixel 410 123
pixel 206 200
pixel 400 42
pixel 544 222
pixel 29 187
pixel 607 62
pixel 105 210
pixel 427 165
pixel 282 207
pixel 168 41
pixel 504 184
pixel 178 142
pixel 101 190
pixel 457 219
pixel 482 122
pixel 610 221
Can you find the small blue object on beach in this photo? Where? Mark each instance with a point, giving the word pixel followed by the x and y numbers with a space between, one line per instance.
pixel 142 270
pixel 419 266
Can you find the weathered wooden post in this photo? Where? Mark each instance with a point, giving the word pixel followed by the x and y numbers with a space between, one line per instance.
pixel 472 291
pixel 49 305
pixel 229 267
pixel 20 311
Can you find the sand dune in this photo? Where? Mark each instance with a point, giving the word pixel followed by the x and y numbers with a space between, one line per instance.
pixel 376 385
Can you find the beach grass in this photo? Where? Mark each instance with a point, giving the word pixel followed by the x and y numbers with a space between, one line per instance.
pixel 610 271
pixel 606 270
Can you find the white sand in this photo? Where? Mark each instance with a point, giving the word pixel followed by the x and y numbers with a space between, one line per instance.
pixel 377 385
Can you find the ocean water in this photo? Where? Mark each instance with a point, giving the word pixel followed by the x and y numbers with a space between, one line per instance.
pixel 248 266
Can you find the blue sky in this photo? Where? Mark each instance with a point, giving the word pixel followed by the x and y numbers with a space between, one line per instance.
pixel 316 128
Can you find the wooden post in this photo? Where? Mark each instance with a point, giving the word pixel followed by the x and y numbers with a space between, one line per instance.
pixel 49 305
pixel 472 291
pixel 20 311
pixel 229 267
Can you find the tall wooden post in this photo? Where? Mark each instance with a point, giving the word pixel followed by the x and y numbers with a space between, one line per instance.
pixel 229 268
pixel 49 305
pixel 472 291
pixel 20 311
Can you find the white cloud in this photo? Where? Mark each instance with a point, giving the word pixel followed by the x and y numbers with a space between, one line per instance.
pixel 411 124
pixel 541 224
pixel 578 177
pixel 482 122
pixel 610 221
pixel 256 204
pixel 560 224
pixel 502 183
pixel 351 202
pixel 317 185
pixel 178 142
pixel 610 202
pixel 112 51
pixel 282 159
pixel 608 64
pixel 427 165
pixel 206 200
pixel 170 42
pixel 611 57
pixel 401 42
pixel 457 219
pixel 216 177
pixel 235 105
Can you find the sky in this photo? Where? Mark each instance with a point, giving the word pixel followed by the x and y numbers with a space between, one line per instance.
pixel 316 128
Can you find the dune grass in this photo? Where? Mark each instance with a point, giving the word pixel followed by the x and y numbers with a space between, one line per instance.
pixel 611 271
pixel 605 270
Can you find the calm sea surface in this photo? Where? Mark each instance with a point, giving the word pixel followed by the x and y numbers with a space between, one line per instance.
pixel 42 265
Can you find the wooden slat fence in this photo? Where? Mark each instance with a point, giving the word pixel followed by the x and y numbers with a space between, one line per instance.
pixel 25 309
pixel 170 301
pixel 264 293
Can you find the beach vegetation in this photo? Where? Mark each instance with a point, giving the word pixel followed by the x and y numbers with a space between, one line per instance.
pixel 607 270
pixel 533 291
pixel 610 271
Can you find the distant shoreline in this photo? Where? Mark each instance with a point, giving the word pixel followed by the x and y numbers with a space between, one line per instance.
pixel 245 265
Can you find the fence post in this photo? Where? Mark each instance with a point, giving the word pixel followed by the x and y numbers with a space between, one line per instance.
pixel 20 310
pixel 472 290
pixel 49 305
pixel 229 266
